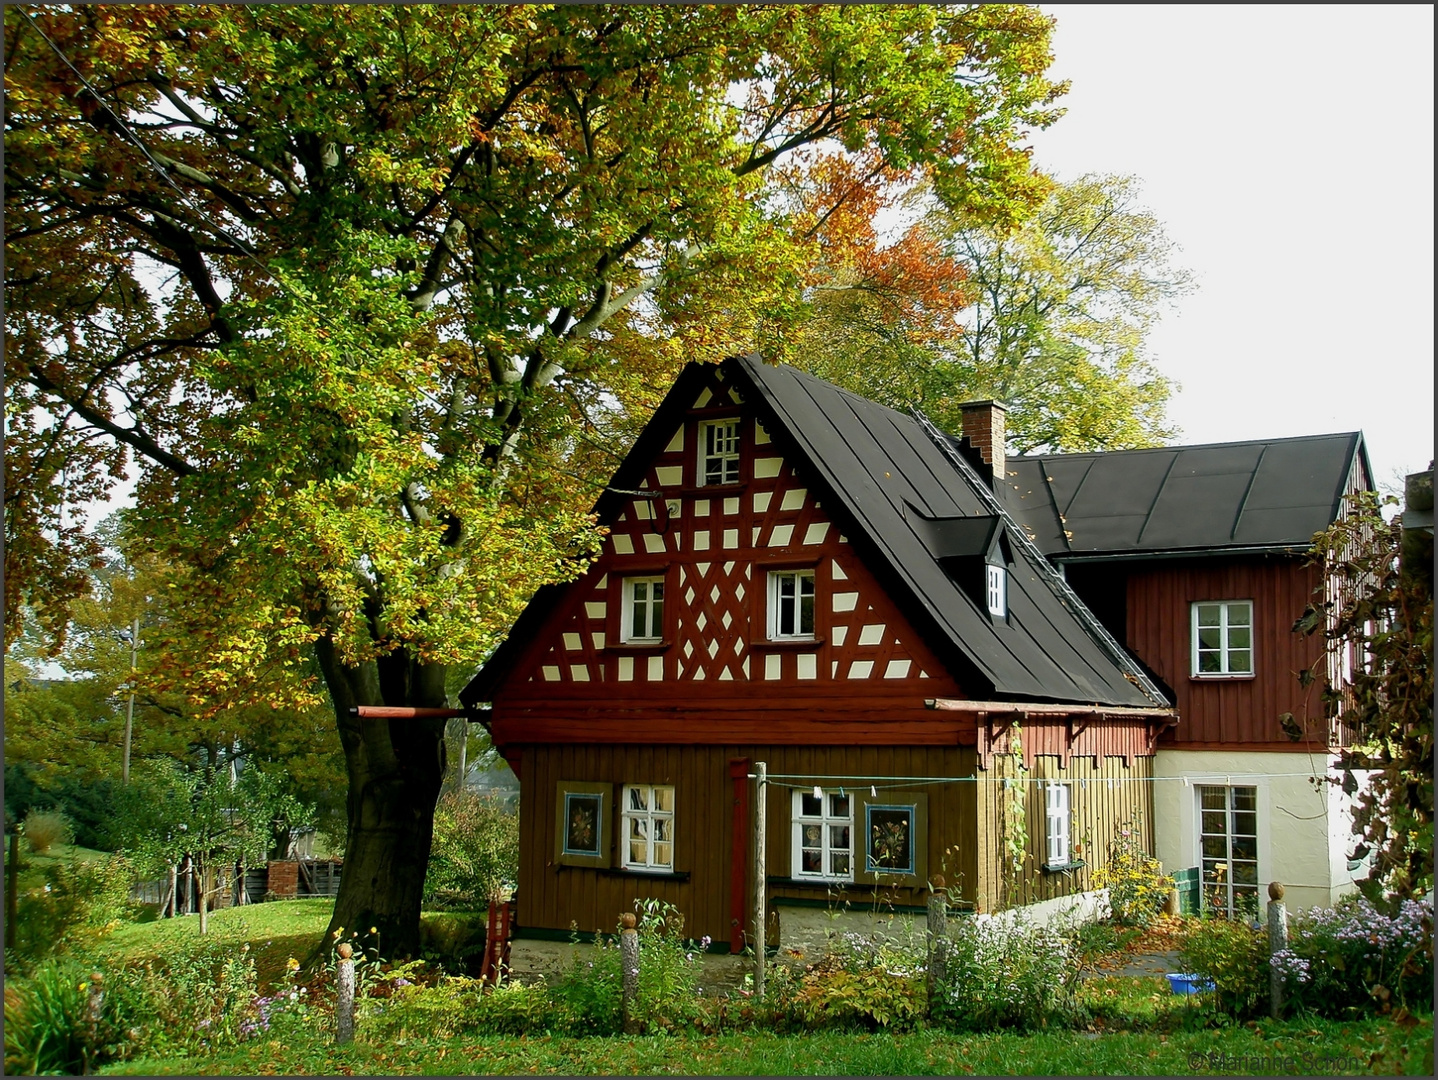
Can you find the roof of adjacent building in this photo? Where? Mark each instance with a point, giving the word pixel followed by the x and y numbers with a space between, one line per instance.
pixel 1264 494
pixel 902 499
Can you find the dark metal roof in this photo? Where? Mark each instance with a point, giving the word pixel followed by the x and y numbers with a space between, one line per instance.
pixel 900 500
pixel 881 467
pixel 1270 494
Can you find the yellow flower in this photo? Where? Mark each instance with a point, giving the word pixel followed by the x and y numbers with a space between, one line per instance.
pixel 373 930
pixel 338 932
pixel 292 964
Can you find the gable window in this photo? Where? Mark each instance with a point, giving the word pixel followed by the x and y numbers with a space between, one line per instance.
pixel 1056 824
pixel 643 609
pixel 647 827
pixel 1222 638
pixel 719 452
pixel 823 835
pixel 791 604
pixel 997 590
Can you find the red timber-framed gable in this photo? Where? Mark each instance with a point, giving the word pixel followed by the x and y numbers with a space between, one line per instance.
pixel 715 674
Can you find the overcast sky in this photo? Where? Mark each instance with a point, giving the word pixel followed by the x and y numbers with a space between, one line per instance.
pixel 1289 153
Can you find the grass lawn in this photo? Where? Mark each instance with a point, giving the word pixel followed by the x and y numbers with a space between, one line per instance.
pixel 1259 1049
pixel 33 866
pixel 275 931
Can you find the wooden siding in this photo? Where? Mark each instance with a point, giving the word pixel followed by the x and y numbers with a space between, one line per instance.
pixel 1105 798
pixel 963 842
pixel 1219 713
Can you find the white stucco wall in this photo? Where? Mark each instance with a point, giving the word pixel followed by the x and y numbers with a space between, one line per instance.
pixel 1303 822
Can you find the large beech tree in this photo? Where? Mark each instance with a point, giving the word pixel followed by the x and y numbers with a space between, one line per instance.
pixel 346 290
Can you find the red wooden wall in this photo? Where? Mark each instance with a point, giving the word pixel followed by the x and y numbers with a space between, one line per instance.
pixel 1219 713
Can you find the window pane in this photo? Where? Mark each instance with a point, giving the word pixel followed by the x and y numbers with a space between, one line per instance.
pixel 1245 873
pixel 810 806
pixel 838 806
pixel 581 832
pixel 1239 614
pixel 1245 822
pixel 638 828
pixel 813 835
pixel 839 836
pixel 1213 822
pixel 889 830
pixel 1215 847
pixel 1240 661
pixel 812 862
pixel 663 854
pixel 638 798
pixel 663 829
pixel 839 864
pixel 1209 637
pixel 1208 663
pixel 1214 798
pixel 1245 798
pixel 638 852
pixel 1238 637
pixel 806 613
pixel 1245 847
pixel 1208 614
pixel 664 800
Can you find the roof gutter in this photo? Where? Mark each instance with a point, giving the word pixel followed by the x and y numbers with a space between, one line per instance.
pixel 1179 553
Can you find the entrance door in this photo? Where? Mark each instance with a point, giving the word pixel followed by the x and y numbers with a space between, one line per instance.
pixel 1228 841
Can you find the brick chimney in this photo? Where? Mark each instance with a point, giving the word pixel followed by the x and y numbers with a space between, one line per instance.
pixel 983 426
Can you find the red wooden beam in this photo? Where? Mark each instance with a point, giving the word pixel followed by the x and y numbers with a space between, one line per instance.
pixel 405 712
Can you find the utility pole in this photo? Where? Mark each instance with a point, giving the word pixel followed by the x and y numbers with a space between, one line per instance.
pixel 130 708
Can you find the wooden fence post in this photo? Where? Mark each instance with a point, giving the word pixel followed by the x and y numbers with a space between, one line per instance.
pixel 761 884
pixel 629 972
pixel 345 1002
pixel 938 939
pixel 1277 942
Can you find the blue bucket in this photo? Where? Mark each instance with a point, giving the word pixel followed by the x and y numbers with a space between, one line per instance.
pixel 1188 984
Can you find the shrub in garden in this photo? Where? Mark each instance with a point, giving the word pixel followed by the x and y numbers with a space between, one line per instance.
pixel 46 828
pixel 475 855
pixel 1353 957
pixel 1006 973
pixel 1136 883
pixel 1232 954
pixel 587 998
pixel 47 1029
pixel 862 982
pixel 79 903
pixel 202 997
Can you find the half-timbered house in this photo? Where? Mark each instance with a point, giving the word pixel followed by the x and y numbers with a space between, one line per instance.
pixel 1195 559
pixel 799 576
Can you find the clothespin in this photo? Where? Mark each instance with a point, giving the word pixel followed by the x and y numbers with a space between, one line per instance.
pixel 818 792
pixel 873 792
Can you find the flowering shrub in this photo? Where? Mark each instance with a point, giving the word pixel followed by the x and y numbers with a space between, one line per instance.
pixel 863 982
pixel 1136 883
pixel 1004 973
pixel 1234 956
pixel 1353 957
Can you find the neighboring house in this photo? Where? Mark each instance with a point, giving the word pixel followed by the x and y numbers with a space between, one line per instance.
pixel 1195 558
pixel 798 576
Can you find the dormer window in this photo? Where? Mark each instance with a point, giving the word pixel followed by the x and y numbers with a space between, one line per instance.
pixel 997 590
pixel 719 452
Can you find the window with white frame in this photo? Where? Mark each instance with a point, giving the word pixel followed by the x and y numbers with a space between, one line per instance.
pixel 643 609
pixel 823 835
pixel 1222 638
pixel 719 452
pixel 1056 823
pixel 997 590
pixel 1228 847
pixel 646 823
pixel 791 604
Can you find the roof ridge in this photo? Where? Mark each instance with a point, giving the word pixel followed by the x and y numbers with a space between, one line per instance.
pixel 1184 446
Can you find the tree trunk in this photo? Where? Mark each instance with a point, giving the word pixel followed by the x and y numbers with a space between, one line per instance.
pixel 396 768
